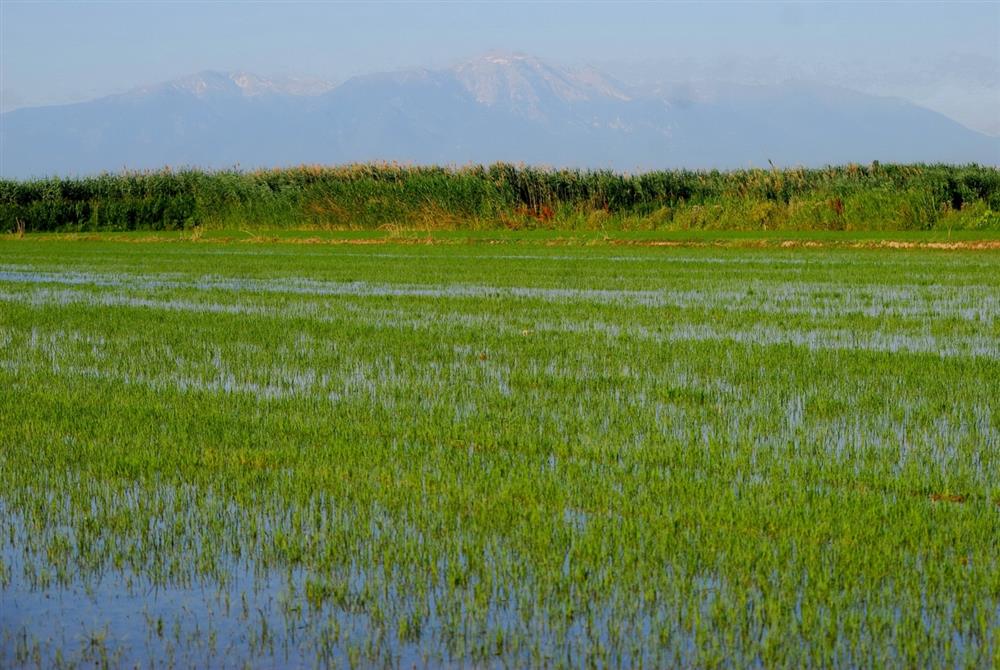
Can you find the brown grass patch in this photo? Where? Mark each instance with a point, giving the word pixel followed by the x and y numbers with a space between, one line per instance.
pixel 404 235
pixel 977 245
pixel 948 497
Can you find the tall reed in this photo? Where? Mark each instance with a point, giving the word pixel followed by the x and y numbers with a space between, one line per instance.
pixel 367 196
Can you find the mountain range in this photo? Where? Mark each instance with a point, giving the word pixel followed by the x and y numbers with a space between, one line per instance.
pixel 499 107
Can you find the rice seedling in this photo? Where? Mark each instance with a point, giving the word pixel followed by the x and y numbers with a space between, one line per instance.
pixel 537 455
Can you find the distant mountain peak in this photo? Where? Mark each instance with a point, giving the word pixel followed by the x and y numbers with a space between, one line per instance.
pixel 199 84
pixel 239 83
pixel 251 84
pixel 499 106
pixel 503 57
pixel 526 85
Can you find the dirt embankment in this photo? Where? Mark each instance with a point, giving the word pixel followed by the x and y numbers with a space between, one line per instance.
pixel 423 237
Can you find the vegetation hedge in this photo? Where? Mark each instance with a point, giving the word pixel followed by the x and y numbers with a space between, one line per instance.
pixel 368 196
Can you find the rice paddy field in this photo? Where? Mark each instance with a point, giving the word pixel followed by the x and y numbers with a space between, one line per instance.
pixel 532 452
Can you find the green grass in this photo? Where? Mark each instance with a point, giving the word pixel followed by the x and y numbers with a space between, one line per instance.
pixel 505 197
pixel 510 454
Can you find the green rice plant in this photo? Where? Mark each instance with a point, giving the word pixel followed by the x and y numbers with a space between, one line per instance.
pixel 508 453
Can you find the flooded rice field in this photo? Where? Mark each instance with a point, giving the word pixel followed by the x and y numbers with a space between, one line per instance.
pixel 459 455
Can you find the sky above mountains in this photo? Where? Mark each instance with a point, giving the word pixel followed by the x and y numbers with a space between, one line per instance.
pixel 942 56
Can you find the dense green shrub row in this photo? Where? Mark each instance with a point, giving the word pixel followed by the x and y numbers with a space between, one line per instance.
pixel 891 197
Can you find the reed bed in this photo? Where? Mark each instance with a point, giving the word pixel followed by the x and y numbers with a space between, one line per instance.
pixel 503 196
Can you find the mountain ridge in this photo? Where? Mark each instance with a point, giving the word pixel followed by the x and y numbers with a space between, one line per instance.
pixel 498 107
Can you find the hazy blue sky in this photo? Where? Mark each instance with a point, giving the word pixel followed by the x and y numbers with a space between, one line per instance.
pixel 946 56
